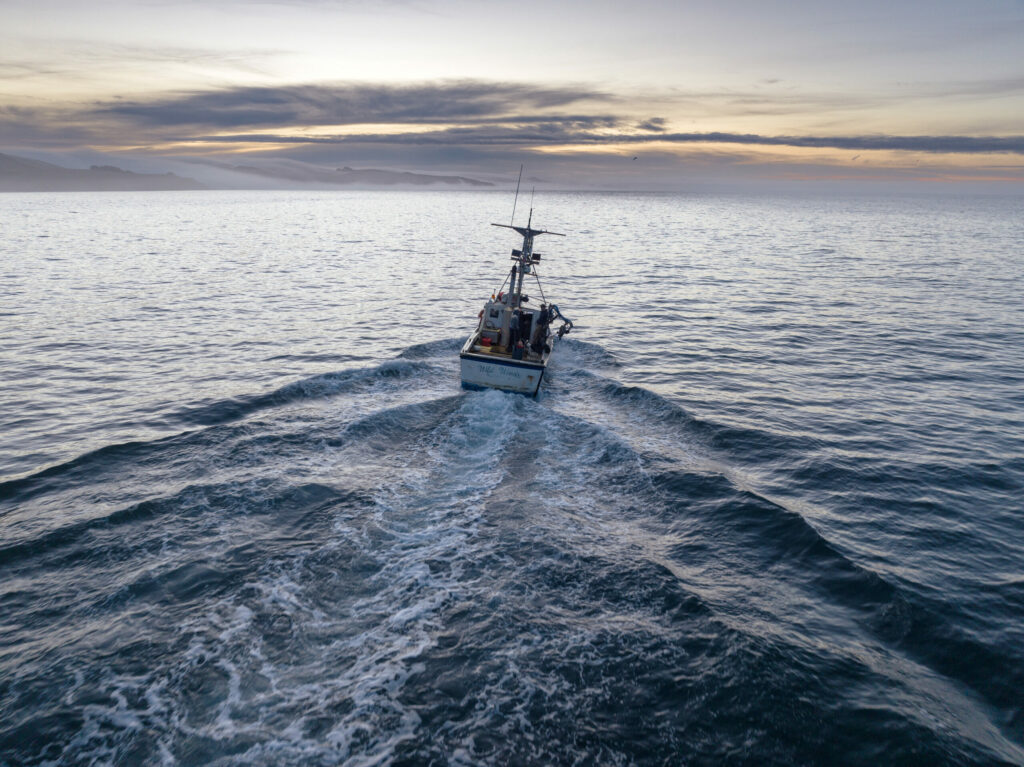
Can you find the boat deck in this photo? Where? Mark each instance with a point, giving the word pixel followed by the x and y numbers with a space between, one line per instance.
pixel 503 352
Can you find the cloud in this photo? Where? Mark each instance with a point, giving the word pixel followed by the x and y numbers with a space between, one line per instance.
pixel 350 104
pixel 464 122
pixel 654 124
pixel 553 133
pixel 98 62
pixel 945 144
pixel 1005 86
pixel 485 113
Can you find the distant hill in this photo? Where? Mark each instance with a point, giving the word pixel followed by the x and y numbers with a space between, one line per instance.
pixel 19 174
pixel 293 172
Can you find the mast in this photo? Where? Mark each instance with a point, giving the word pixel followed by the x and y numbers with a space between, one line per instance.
pixel 525 258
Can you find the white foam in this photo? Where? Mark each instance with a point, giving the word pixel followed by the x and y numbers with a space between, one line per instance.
pixel 329 686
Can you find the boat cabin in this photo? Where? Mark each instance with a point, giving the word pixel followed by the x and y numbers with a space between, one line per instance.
pixel 519 333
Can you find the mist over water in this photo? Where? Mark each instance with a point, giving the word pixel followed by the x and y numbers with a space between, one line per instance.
pixel 766 510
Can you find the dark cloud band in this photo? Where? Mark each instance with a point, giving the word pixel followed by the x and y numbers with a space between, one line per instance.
pixel 552 133
pixel 349 104
pixel 488 114
pixel 469 114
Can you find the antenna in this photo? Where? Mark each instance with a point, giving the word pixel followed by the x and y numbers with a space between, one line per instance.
pixel 517 196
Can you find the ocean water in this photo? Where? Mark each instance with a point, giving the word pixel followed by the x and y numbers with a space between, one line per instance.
pixel 767 509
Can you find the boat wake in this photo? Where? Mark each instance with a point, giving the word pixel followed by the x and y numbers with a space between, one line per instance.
pixel 374 566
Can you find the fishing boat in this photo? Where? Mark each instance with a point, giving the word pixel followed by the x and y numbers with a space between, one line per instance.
pixel 511 345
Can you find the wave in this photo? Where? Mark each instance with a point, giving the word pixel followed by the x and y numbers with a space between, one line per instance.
pixel 778 540
pixel 463 562
pixel 432 349
pixel 316 387
pixel 376 432
pixel 739 521
pixel 573 353
pixel 176 509
pixel 81 468
pixel 84 468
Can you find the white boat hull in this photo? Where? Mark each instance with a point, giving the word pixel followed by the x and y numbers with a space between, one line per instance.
pixel 480 371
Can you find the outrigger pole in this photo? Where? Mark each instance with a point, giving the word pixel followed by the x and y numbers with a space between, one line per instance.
pixel 524 258
pixel 516 198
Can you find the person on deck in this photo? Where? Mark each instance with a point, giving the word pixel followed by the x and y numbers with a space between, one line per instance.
pixel 513 330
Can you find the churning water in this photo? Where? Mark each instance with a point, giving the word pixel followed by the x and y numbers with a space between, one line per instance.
pixel 766 510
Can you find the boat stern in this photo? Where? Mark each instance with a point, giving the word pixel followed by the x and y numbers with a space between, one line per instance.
pixel 489 370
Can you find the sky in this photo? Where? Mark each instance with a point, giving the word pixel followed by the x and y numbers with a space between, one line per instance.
pixel 640 94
